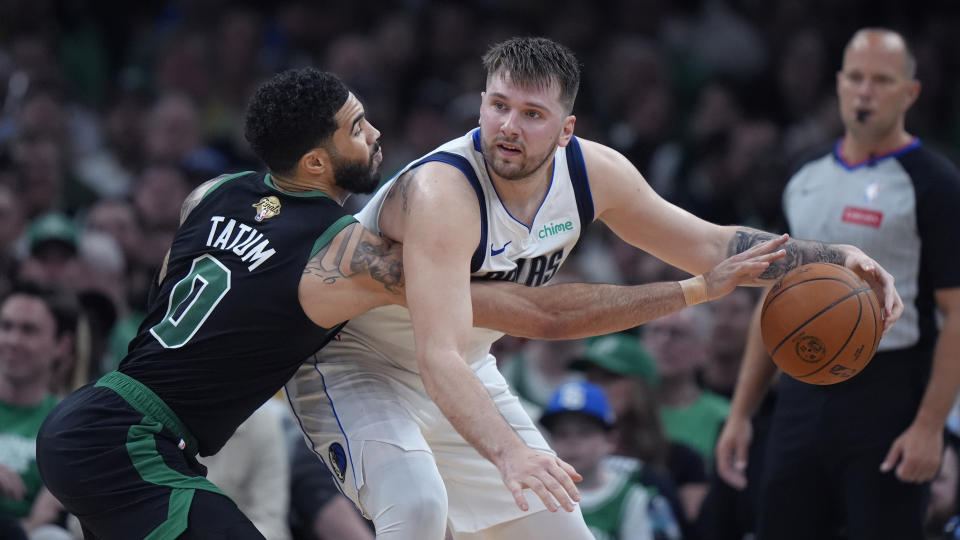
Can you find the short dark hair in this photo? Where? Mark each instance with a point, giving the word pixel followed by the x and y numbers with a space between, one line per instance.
pixel 292 113
pixel 535 62
pixel 63 305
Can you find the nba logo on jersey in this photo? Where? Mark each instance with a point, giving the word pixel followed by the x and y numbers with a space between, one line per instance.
pixel 267 208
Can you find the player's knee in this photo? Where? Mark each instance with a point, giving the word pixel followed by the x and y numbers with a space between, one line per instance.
pixel 403 493
pixel 425 510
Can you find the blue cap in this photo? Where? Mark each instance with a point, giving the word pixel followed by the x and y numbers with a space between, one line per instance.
pixel 579 397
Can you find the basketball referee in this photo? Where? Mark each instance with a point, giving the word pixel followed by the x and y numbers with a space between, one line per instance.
pixel 855 458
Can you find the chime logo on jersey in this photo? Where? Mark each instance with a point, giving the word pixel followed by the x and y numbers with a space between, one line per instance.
pixel 554 229
pixel 267 208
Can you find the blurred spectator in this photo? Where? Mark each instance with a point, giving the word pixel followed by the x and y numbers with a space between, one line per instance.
pixel 253 469
pixel 174 136
pixel 624 370
pixel 578 419
pixel 943 514
pixel 538 369
pixel 36 332
pixel 678 344
pixel 52 258
pixel 730 315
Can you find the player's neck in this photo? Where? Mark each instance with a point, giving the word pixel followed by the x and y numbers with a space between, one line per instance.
pixel 856 149
pixel 21 395
pixel 523 197
pixel 299 184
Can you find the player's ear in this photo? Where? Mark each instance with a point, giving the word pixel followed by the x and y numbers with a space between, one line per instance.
pixel 566 130
pixel 315 162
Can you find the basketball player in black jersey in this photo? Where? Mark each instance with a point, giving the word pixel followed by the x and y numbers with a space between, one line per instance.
pixel 263 271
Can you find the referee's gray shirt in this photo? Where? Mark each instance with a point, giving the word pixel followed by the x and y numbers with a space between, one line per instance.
pixel 902 209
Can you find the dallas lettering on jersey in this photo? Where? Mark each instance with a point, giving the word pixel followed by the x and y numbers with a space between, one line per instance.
pixel 243 240
pixel 531 272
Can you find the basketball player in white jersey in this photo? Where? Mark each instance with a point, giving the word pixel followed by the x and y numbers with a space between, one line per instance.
pixel 392 407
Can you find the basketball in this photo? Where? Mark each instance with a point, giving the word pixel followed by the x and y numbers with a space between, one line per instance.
pixel 821 323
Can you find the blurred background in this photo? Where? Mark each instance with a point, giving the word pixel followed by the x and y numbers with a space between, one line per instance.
pixel 113 111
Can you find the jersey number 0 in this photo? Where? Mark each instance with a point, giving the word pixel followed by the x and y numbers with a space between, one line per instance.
pixel 192 300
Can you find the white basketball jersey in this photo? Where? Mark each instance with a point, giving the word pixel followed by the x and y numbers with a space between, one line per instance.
pixel 508 249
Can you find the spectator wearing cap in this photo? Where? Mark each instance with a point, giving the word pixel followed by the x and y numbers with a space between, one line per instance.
pixel 579 420
pixel 52 241
pixel 620 365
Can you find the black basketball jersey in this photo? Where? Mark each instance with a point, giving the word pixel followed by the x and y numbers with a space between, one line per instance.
pixel 225 329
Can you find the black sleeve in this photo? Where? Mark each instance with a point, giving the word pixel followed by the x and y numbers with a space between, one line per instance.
pixel 937 187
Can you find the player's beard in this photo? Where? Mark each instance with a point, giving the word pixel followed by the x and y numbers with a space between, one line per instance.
pixel 527 165
pixel 357 176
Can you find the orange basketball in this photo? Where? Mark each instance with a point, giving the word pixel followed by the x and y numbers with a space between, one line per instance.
pixel 821 323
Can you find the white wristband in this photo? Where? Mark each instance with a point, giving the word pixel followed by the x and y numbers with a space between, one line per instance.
pixel 694 290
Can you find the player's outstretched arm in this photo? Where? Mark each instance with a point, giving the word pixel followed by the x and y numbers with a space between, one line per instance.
pixel 577 310
pixel 628 205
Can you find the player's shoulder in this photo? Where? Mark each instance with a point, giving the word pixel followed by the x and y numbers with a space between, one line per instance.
pixel 605 165
pixel 593 150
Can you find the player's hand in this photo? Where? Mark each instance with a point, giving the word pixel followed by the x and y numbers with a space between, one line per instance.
pixel 743 267
pixel 880 280
pixel 548 476
pixel 11 485
pixel 915 454
pixel 732 449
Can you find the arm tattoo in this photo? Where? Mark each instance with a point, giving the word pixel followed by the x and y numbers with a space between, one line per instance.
pixel 799 252
pixel 359 254
pixel 401 189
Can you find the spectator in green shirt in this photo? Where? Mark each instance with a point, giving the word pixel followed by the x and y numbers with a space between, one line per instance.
pixel 36 329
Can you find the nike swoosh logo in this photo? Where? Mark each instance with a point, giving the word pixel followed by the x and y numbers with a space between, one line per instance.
pixel 495 252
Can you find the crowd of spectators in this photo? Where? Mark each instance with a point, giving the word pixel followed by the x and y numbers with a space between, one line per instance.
pixel 110 113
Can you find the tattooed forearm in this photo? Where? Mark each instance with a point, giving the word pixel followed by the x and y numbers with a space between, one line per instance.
pixel 799 252
pixel 360 253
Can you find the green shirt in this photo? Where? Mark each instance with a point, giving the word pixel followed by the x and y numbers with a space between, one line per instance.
pixel 697 425
pixel 18 450
pixel 618 509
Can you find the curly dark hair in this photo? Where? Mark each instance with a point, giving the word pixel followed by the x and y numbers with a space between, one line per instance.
pixel 292 113
pixel 536 62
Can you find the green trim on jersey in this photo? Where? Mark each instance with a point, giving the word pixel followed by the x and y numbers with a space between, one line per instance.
pixel 222 180
pixel 268 180
pixel 331 231
pixel 145 401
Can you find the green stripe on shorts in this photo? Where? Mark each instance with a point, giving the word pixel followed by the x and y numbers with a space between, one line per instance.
pixel 142 449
